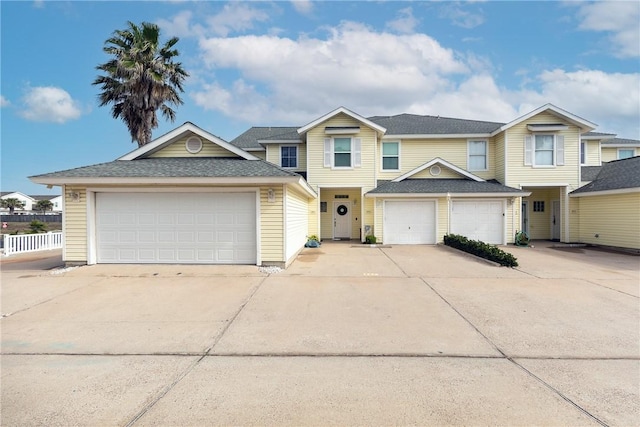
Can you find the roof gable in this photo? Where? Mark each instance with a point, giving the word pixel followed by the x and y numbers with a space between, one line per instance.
pixel 179 132
pixel 584 125
pixel 342 110
pixel 16 195
pixel 443 163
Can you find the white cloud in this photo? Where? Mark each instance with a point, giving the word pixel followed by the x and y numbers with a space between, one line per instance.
pixel 180 25
pixel 49 104
pixel 313 75
pixel 611 100
pixel 460 16
pixel 304 7
pixel 235 17
pixel 4 102
pixel 621 19
pixel 405 23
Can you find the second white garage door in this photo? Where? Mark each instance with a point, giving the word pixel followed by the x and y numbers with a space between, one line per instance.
pixel 479 220
pixel 174 228
pixel 410 222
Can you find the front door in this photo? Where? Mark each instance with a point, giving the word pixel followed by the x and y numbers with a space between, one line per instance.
pixel 342 220
pixel 555 220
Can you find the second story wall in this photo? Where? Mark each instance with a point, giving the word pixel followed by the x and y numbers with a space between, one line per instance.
pixel 518 172
pixel 179 149
pixel 354 176
pixel 274 155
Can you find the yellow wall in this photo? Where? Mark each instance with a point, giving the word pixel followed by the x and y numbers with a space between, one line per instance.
pixel 318 175
pixel 417 152
pixel 593 153
pixel 498 159
pixel 75 225
pixel 614 218
pixel 177 149
pixel 611 153
pixel 540 222
pixel 296 219
pixel 518 173
pixel 444 173
pixel 273 155
pixel 272 226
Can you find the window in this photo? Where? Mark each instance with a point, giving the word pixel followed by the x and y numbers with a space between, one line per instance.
pixel 538 206
pixel 477 151
pixel 544 150
pixel 342 152
pixel 289 157
pixel 390 156
pixel 583 153
pixel 625 153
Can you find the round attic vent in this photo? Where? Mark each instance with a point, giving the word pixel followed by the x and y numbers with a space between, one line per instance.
pixel 193 145
pixel 435 170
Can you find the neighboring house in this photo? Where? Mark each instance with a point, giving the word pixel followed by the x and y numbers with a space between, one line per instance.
pixel 27 200
pixel 610 205
pixel 56 201
pixel 619 148
pixel 192 197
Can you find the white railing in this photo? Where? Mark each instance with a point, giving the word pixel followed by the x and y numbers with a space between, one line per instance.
pixel 20 243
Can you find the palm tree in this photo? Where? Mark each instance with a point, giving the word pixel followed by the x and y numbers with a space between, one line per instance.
pixel 141 78
pixel 43 205
pixel 12 203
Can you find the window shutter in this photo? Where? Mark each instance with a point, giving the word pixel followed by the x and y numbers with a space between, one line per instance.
pixel 559 150
pixel 528 149
pixel 357 152
pixel 327 152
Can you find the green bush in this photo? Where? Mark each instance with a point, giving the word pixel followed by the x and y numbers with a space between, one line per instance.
pixel 481 249
pixel 37 226
pixel 370 240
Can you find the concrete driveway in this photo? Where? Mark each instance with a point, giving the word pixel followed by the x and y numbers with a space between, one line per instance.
pixel 347 335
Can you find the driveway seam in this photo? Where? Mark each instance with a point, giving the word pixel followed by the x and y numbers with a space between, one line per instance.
pixel 613 289
pixel 190 368
pixel 510 359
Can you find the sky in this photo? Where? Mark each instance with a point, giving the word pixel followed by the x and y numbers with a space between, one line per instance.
pixel 286 63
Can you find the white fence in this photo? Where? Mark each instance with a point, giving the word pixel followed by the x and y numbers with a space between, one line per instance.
pixel 20 243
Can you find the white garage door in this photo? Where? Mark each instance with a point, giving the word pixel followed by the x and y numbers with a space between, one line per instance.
pixel 172 228
pixel 410 222
pixel 479 220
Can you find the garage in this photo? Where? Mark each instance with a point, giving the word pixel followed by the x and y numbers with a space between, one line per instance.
pixel 478 220
pixel 410 222
pixel 174 228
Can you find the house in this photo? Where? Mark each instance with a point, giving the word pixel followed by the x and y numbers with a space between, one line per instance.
pixel 27 200
pixel 610 205
pixel 405 179
pixel 56 202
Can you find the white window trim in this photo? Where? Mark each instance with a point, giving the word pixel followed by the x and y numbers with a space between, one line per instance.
pixel 355 153
pixel 297 156
pixel 486 154
pixel 583 152
pixel 382 156
pixel 556 149
pixel 625 149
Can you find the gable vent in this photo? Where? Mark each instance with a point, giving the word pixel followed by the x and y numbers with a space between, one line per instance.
pixel 193 145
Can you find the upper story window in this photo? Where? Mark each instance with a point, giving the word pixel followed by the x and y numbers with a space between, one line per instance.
pixel 391 156
pixel 544 150
pixel 477 155
pixel 342 152
pixel 583 153
pixel 625 153
pixel 289 157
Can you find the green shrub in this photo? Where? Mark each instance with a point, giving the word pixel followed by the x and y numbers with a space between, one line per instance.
pixel 481 249
pixel 370 240
pixel 37 226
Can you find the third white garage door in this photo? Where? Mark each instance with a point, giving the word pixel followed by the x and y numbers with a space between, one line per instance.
pixel 479 220
pixel 190 228
pixel 410 222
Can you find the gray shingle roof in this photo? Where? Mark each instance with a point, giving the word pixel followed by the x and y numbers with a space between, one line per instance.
pixel 440 186
pixel 411 124
pixel 589 173
pixel 249 139
pixel 174 168
pixel 621 141
pixel 598 134
pixel 615 175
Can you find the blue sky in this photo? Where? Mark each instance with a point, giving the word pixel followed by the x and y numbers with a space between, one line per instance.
pixel 287 63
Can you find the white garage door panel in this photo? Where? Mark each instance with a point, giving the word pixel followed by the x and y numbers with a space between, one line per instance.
pixel 211 228
pixel 410 222
pixel 478 220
